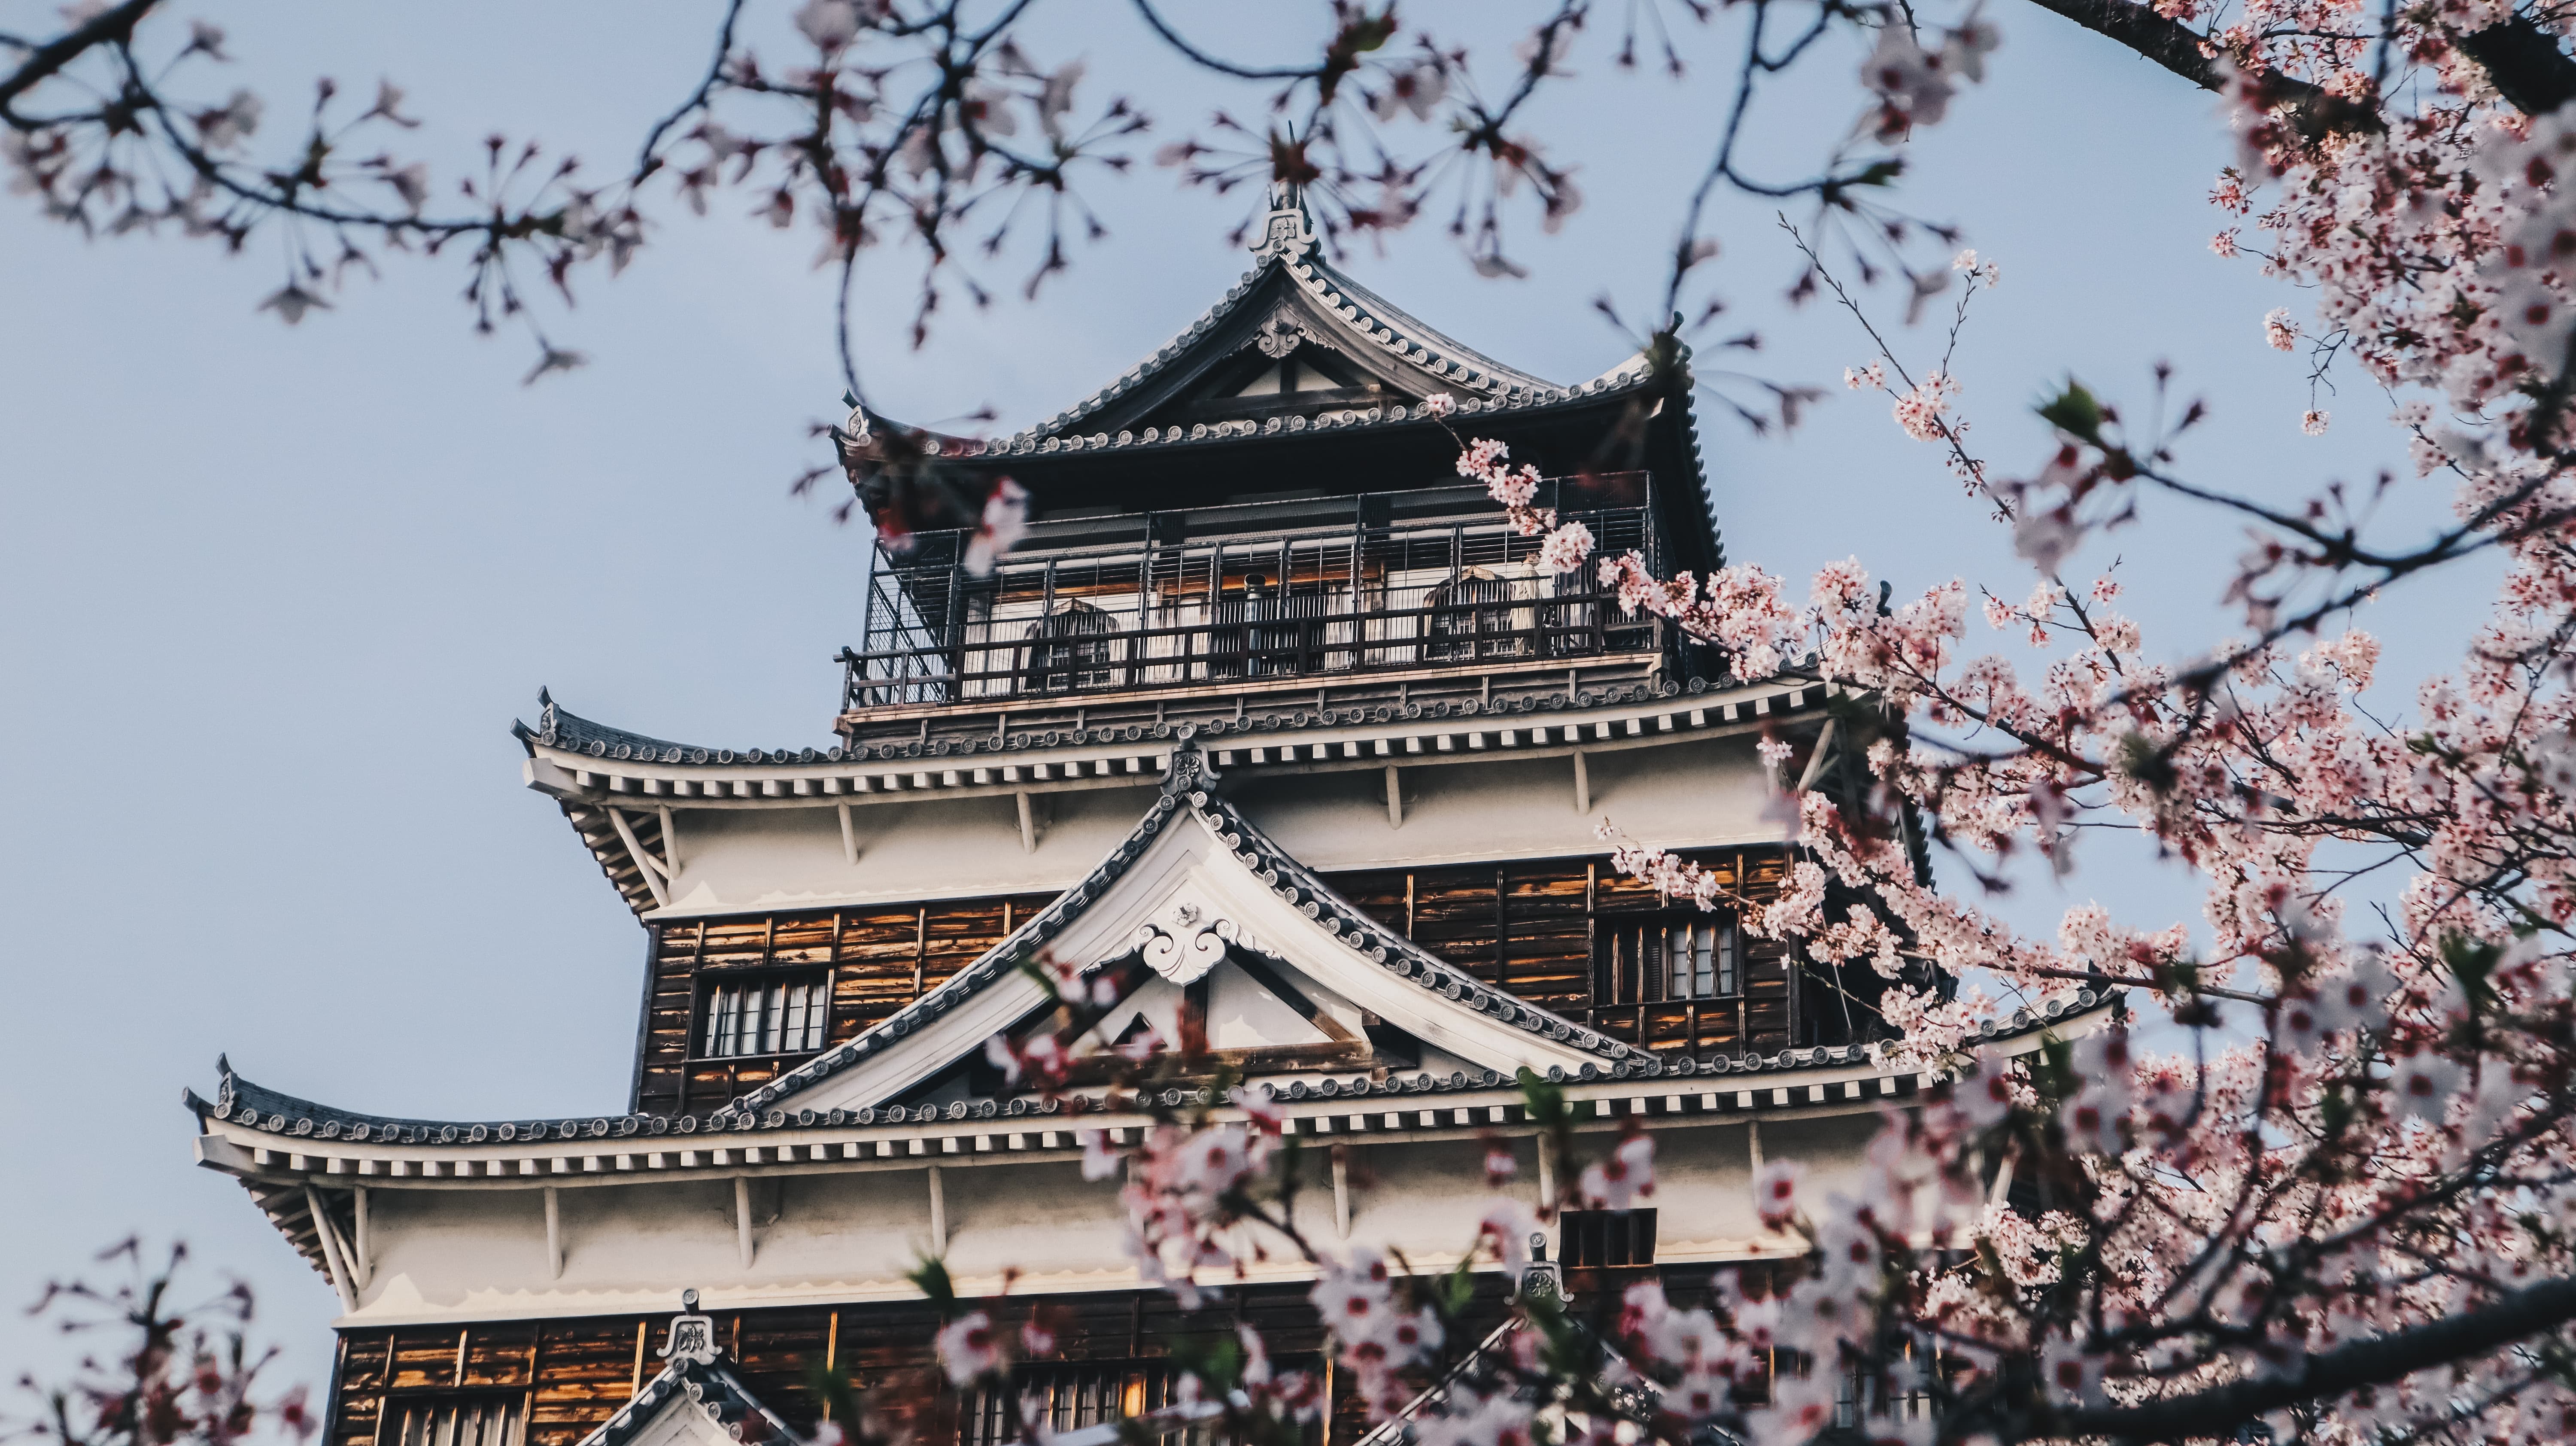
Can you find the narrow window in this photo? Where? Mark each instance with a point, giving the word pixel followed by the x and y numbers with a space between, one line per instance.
pixel 1680 955
pixel 447 1419
pixel 1591 1239
pixel 1700 952
pixel 778 1014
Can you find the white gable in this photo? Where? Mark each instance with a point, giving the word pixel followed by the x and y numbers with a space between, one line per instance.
pixel 1183 903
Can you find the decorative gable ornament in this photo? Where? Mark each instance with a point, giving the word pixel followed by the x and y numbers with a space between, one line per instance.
pixel 1187 943
pixel 693 1336
pixel 1541 1278
pixel 1281 334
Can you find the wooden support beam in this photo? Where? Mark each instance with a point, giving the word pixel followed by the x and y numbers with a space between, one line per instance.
pixel 364 1257
pixel 938 1215
pixel 1582 784
pixel 1028 824
pixel 554 1235
pixel 1816 761
pixel 1394 797
pixel 1546 1172
pixel 331 1259
pixel 1341 1190
pixel 646 864
pixel 849 837
pixel 1289 994
pixel 742 1217
pixel 670 841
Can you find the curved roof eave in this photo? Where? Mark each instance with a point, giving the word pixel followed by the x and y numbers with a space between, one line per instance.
pixel 304 1124
pixel 1632 376
pixel 1187 787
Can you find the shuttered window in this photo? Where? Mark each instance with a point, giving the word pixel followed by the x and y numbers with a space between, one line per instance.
pixel 455 1420
pixel 1700 958
pixel 1062 1396
pixel 774 1014
pixel 1594 1238
pixel 1672 956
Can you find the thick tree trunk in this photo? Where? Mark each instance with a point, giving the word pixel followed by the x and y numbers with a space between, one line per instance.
pixel 2522 1315
pixel 2524 61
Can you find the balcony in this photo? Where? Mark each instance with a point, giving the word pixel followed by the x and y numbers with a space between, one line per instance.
pixel 1234 610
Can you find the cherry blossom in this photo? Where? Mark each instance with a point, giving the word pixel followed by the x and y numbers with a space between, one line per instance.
pixel 969 1347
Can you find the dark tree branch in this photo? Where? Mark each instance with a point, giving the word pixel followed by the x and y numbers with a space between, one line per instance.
pixel 108 26
pixel 2220 1411
pixel 1196 56
pixel 2177 47
pixel 2525 63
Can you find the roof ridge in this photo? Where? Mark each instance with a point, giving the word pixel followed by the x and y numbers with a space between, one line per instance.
pixel 699 1380
pixel 1187 784
pixel 277 1112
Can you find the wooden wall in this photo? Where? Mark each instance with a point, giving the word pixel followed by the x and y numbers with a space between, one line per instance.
pixel 880 960
pixel 1541 931
pixel 1544 932
pixel 565 1377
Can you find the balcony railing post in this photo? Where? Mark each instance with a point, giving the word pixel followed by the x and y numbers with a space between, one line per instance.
pixel 1138 648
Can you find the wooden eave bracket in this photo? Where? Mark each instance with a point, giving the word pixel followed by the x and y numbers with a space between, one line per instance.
pixel 657 872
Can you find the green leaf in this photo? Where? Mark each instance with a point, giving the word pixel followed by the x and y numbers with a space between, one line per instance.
pixel 2074 411
pixel 930 1277
pixel 1544 1101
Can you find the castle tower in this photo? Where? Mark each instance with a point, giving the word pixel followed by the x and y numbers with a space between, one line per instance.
pixel 1269 717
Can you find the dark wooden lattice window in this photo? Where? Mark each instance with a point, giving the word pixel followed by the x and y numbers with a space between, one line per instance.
pixel 1472 617
pixel 766 1014
pixel 1675 955
pixel 449 1418
pixel 1070 648
pixel 1067 1395
pixel 1594 1238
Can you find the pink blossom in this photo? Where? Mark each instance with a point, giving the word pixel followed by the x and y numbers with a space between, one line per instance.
pixel 969 1347
pixel 1616 1183
pixel 1566 547
pixel 2279 332
pixel 1775 1192
pixel 1099 1160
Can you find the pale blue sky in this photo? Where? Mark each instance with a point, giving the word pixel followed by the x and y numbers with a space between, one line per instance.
pixel 274 596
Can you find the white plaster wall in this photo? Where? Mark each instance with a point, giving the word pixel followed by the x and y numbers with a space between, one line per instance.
pixel 1698 793
pixel 464 1254
pixel 1695 792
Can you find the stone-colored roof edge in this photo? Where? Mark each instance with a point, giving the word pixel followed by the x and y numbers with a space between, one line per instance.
pixel 562 729
pixel 1188 784
pixel 275 1112
pixel 1632 375
pixel 710 1388
pixel 1367 319
pixel 299 1119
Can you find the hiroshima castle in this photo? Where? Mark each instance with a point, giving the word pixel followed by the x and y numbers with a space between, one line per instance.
pixel 1272 718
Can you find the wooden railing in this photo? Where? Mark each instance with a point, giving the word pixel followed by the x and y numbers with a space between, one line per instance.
pixel 1236 609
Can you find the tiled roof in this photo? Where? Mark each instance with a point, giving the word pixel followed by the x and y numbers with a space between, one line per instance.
pixel 1190 785
pixel 557 727
pixel 689 1385
pixel 1631 376
pixel 1368 321
pixel 1187 787
pixel 1362 321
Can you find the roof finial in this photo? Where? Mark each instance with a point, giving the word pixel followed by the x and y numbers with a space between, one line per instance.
pixel 693 1336
pixel 1287 232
